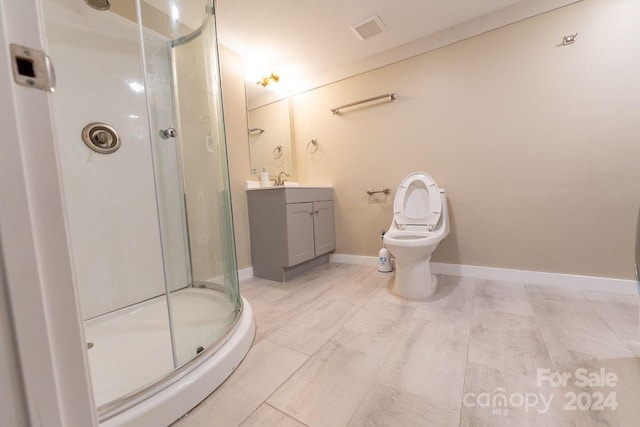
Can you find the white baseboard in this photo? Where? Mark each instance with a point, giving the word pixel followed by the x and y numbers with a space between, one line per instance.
pixel 245 273
pixel 566 281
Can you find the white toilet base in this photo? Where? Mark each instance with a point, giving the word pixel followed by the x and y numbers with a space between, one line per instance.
pixel 414 280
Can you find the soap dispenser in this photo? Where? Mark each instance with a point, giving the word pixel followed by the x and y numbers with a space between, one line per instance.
pixel 264 178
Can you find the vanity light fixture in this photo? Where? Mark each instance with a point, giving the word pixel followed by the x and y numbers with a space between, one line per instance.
pixel 265 81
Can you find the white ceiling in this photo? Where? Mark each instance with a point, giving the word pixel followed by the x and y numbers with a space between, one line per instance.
pixel 313 36
pixel 302 38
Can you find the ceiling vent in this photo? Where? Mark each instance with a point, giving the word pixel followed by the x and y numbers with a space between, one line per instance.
pixel 368 28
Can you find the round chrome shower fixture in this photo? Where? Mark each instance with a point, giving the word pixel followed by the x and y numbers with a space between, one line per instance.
pixel 101 138
pixel 99 4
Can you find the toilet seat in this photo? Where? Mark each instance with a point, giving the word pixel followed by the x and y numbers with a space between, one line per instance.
pixel 417 202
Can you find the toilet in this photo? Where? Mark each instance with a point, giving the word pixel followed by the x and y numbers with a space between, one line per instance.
pixel 420 222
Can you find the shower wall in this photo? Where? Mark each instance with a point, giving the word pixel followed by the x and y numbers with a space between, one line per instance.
pixel 110 199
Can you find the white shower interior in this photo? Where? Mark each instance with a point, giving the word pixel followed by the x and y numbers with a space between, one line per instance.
pixel 114 210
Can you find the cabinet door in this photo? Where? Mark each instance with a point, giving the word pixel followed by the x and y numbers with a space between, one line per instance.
pixel 300 232
pixel 324 227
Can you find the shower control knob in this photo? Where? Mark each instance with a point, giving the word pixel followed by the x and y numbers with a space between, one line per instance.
pixel 103 138
pixel 168 133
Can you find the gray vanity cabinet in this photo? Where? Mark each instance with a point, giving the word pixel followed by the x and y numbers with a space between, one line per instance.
pixel 291 229
pixel 310 230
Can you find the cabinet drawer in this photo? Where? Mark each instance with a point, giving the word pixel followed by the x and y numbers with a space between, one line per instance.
pixel 302 195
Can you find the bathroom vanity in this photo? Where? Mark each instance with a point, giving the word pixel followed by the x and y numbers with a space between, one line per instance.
pixel 291 229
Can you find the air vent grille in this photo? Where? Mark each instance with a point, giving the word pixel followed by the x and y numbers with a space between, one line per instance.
pixel 368 28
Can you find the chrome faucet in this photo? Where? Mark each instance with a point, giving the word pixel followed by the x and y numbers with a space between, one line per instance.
pixel 280 181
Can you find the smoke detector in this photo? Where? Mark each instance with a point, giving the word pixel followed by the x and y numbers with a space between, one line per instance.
pixel 368 28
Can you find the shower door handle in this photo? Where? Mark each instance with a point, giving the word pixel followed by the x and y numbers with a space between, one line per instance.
pixel 168 133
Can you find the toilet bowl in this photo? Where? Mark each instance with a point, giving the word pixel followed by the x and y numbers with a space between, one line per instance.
pixel 420 222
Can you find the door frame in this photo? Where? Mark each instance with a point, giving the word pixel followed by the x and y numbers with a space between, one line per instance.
pixel 40 282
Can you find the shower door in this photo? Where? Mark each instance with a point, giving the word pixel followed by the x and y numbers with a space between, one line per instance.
pixel 141 150
pixel 205 311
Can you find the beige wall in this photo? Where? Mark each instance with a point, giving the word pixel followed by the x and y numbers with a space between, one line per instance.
pixel 537 145
pixel 235 120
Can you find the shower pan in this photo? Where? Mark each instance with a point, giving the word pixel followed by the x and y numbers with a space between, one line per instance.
pixel 141 150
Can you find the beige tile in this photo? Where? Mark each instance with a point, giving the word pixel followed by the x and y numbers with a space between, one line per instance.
pixel 269 320
pixel 316 284
pixel 252 282
pixel 327 390
pixel 369 276
pixel 621 313
pixel 268 416
pixel 609 298
pixel 339 375
pixel 308 331
pixel 493 397
pixel 324 272
pixel 452 301
pixel 266 295
pixel 503 296
pixel 383 360
pixel 575 326
pixel 379 318
pixel 266 366
pixel 578 337
pixel 624 390
pixel 387 406
pixel 360 286
pixel 509 342
pixel 429 360
pixel 554 293
pixel 456 282
pixel 385 294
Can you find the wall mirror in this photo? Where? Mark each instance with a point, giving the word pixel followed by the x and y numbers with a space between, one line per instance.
pixel 270 127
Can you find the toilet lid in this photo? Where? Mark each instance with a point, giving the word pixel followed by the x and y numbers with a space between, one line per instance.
pixel 417 201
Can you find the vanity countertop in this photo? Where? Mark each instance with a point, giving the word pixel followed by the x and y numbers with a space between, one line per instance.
pixel 255 185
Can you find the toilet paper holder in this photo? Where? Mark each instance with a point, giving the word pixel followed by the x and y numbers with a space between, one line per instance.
pixel 371 191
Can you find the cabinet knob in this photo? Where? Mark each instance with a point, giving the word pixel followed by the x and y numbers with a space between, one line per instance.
pixel 317 212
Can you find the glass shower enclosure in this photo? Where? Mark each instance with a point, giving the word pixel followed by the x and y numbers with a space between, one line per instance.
pixel 141 148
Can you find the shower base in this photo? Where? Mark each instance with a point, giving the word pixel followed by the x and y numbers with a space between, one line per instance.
pixel 131 350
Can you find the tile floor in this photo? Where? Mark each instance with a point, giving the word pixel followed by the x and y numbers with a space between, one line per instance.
pixel 334 348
